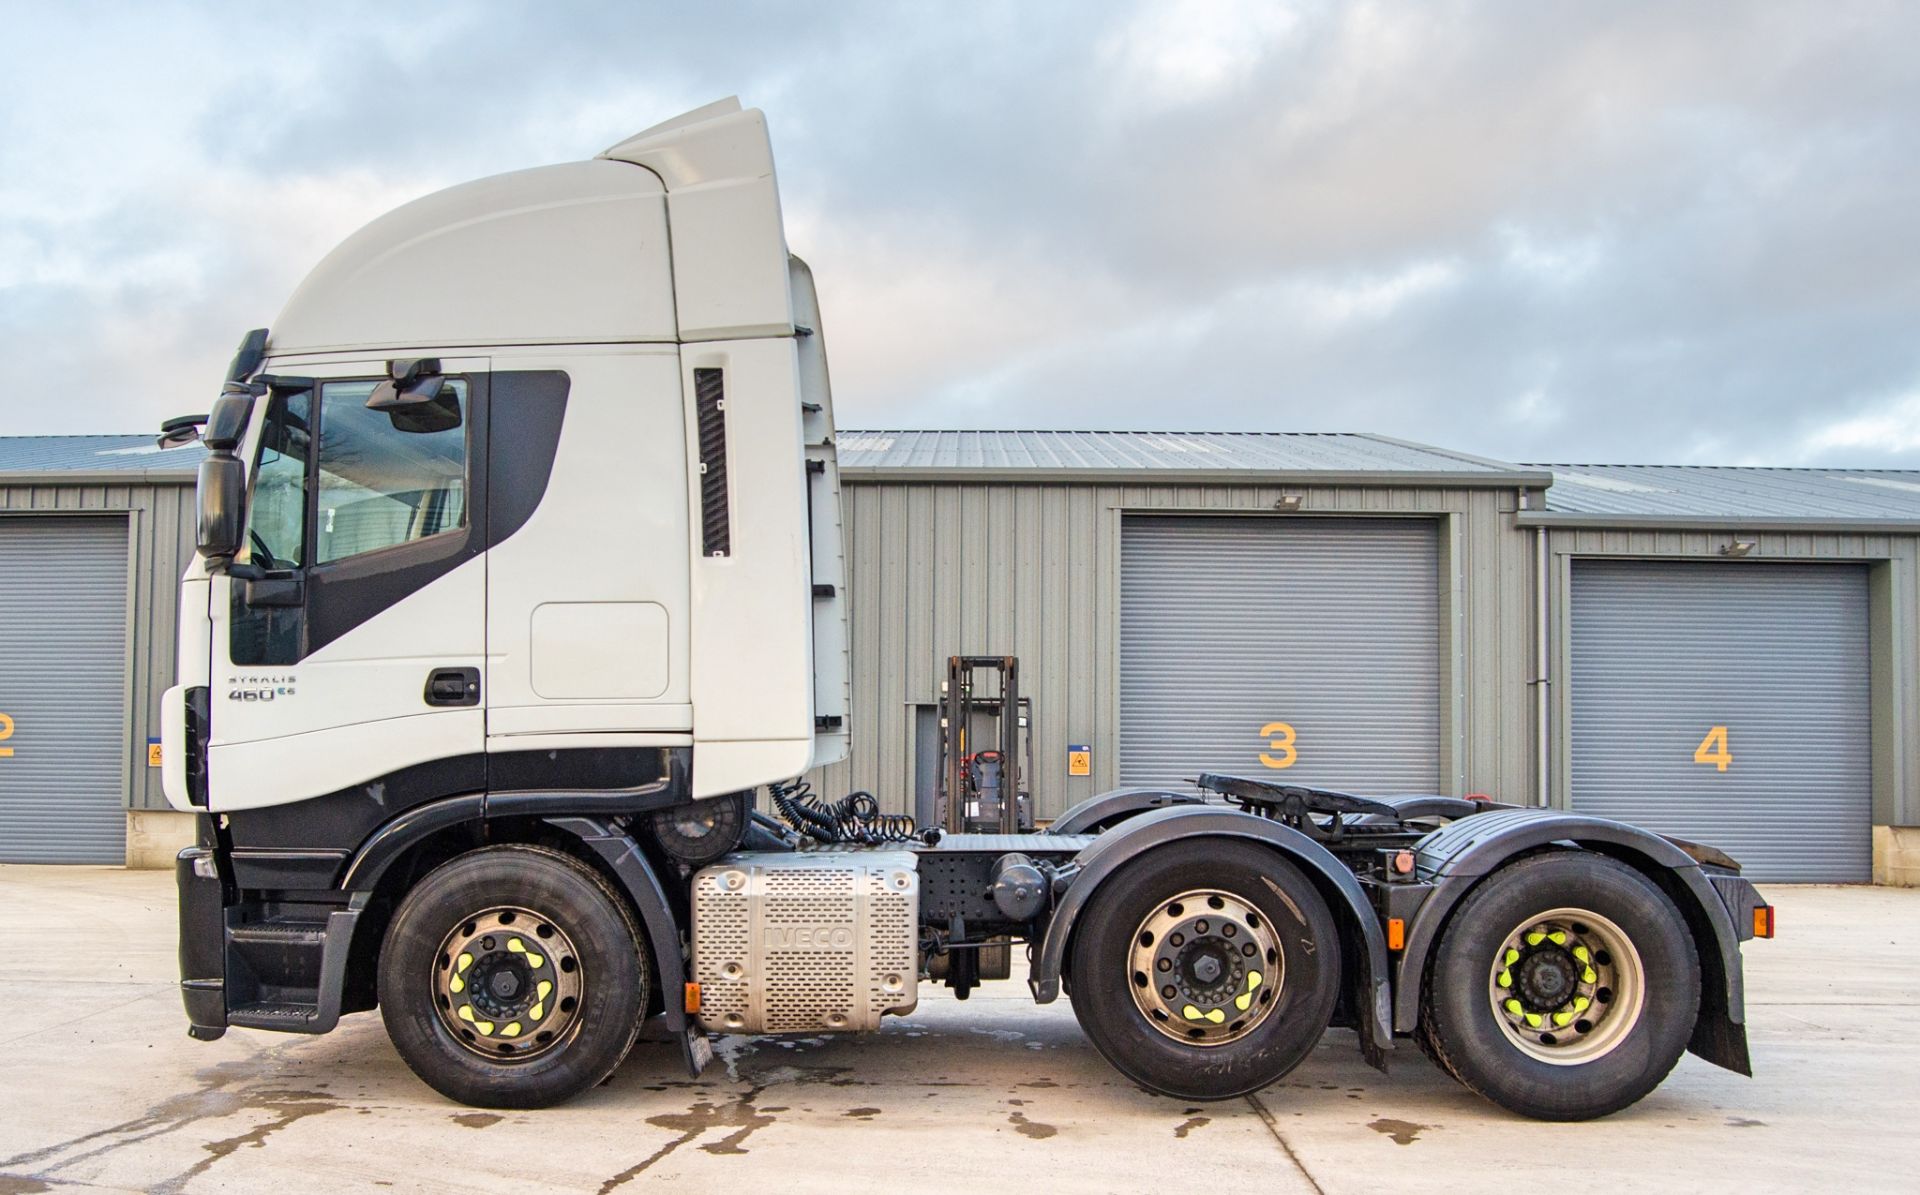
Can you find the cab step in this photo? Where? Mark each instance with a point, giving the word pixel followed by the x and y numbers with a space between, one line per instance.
pixel 280 933
pixel 272 1015
pixel 286 967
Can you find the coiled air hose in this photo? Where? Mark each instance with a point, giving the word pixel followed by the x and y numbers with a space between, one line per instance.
pixel 854 819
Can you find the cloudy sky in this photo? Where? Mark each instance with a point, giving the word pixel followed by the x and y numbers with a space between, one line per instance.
pixel 1544 231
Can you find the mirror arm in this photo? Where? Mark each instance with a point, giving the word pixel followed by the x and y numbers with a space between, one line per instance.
pixel 409 380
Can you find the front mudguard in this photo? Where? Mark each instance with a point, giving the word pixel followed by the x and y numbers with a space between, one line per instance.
pixel 623 857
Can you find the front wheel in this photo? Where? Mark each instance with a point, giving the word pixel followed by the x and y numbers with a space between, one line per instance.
pixel 1206 970
pixel 1564 988
pixel 513 977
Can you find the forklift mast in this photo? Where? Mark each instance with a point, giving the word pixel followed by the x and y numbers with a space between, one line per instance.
pixel 984 789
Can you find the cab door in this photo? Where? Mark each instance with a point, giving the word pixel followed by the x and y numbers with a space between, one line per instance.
pixel 349 636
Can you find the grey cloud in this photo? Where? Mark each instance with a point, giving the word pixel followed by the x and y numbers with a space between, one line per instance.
pixel 1639 232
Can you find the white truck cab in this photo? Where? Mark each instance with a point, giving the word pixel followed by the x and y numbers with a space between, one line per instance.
pixel 520 578
pixel 605 547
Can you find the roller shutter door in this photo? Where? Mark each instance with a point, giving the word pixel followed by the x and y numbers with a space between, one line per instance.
pixel 1229 626
pixel 1664 652
pixel 63 594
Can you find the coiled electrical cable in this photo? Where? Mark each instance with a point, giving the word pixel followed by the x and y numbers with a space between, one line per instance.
pixel 854 819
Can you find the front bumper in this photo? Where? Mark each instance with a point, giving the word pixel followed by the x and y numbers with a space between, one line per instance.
pixel 203 942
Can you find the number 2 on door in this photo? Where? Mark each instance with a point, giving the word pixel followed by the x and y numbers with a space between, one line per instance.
pixel 1713 749
pixel 6 732
pixel 1279 738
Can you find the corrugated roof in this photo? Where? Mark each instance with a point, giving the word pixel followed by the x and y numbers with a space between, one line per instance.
pixel 1083 452
pixel 1048 451
pixel 1715 491
pixel 1579 492
pixel 135 456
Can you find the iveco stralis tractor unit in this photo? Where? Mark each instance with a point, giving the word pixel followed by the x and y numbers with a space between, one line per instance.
pixel 519 609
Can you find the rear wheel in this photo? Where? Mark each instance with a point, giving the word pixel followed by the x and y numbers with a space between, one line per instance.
pixel 1564 988
pixel 1206 970
pixel 513 977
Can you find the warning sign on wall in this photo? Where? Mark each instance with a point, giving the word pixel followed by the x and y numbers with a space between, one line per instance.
pixel 1079 760
pixel 153 753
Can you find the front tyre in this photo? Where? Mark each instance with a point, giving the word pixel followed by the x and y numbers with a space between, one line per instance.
pixel 1206 969
pixel 1565 988
pixel 513 977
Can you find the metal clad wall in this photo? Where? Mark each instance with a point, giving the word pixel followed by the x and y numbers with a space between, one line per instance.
pixel 63 607
pixel 162 545
pixel 1663 651
pixel 1330 627
pixel 164 541
pixel 940 568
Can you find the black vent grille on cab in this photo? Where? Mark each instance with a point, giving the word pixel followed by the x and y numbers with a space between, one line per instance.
pixel 710 405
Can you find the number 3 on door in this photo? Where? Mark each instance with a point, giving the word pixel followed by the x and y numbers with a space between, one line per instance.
pixel 1713 749
pixel 1279 738
pixel 6 732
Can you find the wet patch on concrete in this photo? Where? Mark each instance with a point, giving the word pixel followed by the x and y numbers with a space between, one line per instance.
pixel 1191 1123
pixel 477 1120
pixel 739 1117
pixel 10 1185
pixel 1742 1122
pixel 1403 1132
pixel 1005 1035
pixel 288 1108
pixel 861 1113
pixel 223 1092
pixel 1031 1128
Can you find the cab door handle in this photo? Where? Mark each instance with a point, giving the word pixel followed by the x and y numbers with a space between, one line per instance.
pixel 453 686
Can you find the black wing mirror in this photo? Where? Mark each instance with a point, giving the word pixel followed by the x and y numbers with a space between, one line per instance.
pixel 180 431
pixel 414 397
pixel 222 501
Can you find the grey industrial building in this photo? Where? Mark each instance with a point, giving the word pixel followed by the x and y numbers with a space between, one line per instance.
pixel 1725 654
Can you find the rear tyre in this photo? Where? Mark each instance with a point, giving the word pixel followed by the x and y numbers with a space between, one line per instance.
pixel 513 977
pixel 1206 969
pixel 1564 988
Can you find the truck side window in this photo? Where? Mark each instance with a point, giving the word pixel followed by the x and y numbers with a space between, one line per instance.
pixel 388 477
pixel 276 531
pixel 277 518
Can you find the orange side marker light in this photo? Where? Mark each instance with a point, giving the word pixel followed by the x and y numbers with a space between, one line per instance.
pixel 1763 921
pixel 693 997
pixel 1396 933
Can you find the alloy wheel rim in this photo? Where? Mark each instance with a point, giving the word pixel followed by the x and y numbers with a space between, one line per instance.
pixel 1567 986
pixel 1205 968
pixel 507 984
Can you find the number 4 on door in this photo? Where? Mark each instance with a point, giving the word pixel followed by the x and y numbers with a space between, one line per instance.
pixel 1713 749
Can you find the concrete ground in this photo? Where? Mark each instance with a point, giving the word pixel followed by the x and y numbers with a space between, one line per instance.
pixel 102 1088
